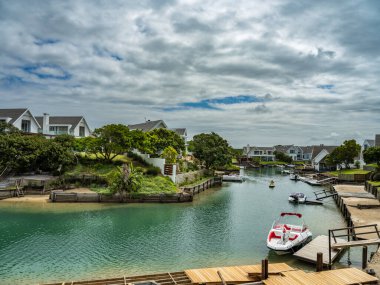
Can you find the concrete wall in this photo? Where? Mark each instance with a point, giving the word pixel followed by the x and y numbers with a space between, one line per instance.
pixel 188 177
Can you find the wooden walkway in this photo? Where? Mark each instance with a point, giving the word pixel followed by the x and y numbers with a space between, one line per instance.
pixel 346 276
pixel 233 274
pixel 319 244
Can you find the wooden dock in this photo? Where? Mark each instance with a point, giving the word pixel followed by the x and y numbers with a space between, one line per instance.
pixel 319 244
pixel 331 277
pixel 279 274
pixel 233 274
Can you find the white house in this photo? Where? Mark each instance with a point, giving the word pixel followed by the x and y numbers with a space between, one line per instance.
pixel 318 157
pixel 58 125
pixel 307 152
pixel 259 153
pixel 22 119
pixel 295 152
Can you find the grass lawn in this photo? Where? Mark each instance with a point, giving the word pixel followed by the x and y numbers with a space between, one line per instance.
pixel 96 169
pixel 272 163
pixel 157 185
pixel 374 183
pixel 348 171
pixel 194 183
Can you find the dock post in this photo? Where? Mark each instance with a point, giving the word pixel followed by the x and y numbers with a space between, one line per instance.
pixel 365 257
pixel 319 261
pixel 264 269
pixel 330 250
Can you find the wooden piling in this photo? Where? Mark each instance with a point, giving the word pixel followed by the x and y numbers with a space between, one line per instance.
pixel 319 261
pixel 264 269
pixel 365 257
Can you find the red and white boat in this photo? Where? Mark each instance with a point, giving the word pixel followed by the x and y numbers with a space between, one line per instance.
pixel 285 237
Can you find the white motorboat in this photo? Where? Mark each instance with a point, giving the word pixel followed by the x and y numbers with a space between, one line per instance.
pixel 271 184
pixel 233 178
pixel 297 197
pixel 294 176
pixel 285 238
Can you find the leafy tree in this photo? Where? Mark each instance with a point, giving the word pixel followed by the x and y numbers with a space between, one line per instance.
pixel 372 155
pixel 159 139
pixel 282 157
pixel 109 141
pixel 212 150
pixel 170 154
pixel 66 140
pixel 140 141
pixel 345 153
pixel 6 128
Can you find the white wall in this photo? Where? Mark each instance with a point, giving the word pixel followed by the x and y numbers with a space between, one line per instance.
pixel 27 116
pixel 86 130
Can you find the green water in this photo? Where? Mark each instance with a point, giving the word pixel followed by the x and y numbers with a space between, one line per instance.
pixel 223 226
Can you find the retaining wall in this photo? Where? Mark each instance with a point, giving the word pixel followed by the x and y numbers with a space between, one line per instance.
pixel 189 177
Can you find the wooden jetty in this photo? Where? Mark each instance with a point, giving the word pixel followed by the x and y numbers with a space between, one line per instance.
pixel 313 202
pixel 320 244
pixel 265 274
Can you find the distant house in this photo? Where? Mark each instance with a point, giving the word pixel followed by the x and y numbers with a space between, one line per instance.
pixel 58 125
pixel 377 140
pixel 22 119
pixel 318 157
pixel 368 143
pixel 259 153
pixel 307 152
pixel 295 152
pixel 159 124
pixel 149 126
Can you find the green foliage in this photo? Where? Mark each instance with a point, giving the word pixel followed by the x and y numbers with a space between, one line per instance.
pixel 170 155
pixel 109 141
pixel 212 150
pixel 157 185
pixel 128 180
pixel 6 128
pixel 32 153
pixel 153 170
pixel 344 154
pixel 372 155
pixel 280 156
pixel 159 139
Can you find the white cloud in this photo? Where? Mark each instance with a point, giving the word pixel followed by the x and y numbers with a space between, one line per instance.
pixel 129 60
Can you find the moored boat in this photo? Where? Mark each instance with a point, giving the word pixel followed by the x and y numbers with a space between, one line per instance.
pixel 293 176
pixel 285 238
pixel 297 197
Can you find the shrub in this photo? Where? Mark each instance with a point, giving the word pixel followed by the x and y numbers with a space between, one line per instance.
pixel 153 170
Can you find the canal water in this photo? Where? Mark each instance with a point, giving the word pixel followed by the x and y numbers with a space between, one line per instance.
pixel 223 226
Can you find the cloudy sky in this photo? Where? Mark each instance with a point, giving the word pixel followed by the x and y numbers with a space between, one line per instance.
pixel 256 72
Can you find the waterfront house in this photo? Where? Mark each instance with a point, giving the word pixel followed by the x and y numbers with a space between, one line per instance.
pixel 318 157
pixel 259 153
pixel 295 152
pixel 159 124
pixel 59 125
pixel 307 152
pixel 22 119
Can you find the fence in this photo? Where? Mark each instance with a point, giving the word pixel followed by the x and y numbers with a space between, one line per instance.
pixel 202 186
pixel 353 177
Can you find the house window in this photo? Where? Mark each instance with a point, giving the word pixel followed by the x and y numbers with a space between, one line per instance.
pixel 58 130
pixel 291 151
pixel 25 126
pixel 81 132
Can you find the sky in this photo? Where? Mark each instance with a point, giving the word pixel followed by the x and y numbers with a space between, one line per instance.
pixel 255 72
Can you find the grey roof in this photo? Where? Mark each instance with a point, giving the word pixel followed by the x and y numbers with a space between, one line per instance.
pixel 318 148
pixel 57 120
pixel 260 148
pixel 180 131
pixel 307 149
pixel 371 142
pixel 283 148
pixel 377 140
pixel 147 126
pixel 12 113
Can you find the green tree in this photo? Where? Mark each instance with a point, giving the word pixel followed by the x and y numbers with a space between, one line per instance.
pixel 109 141
pixel 125 180
pixel 282 157
pixel 346 153
pixel 212 150
pixel 6 128
pixel 372 155
pixel 170 154
pixel 159 139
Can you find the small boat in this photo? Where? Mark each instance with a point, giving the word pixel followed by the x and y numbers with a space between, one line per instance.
pixel 233 178
pixel 271 184
pixel 285 238
pixel 294 176
pixel 297 197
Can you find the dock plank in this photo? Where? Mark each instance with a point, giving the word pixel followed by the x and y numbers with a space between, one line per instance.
pixel 319 244
pixel 355 243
